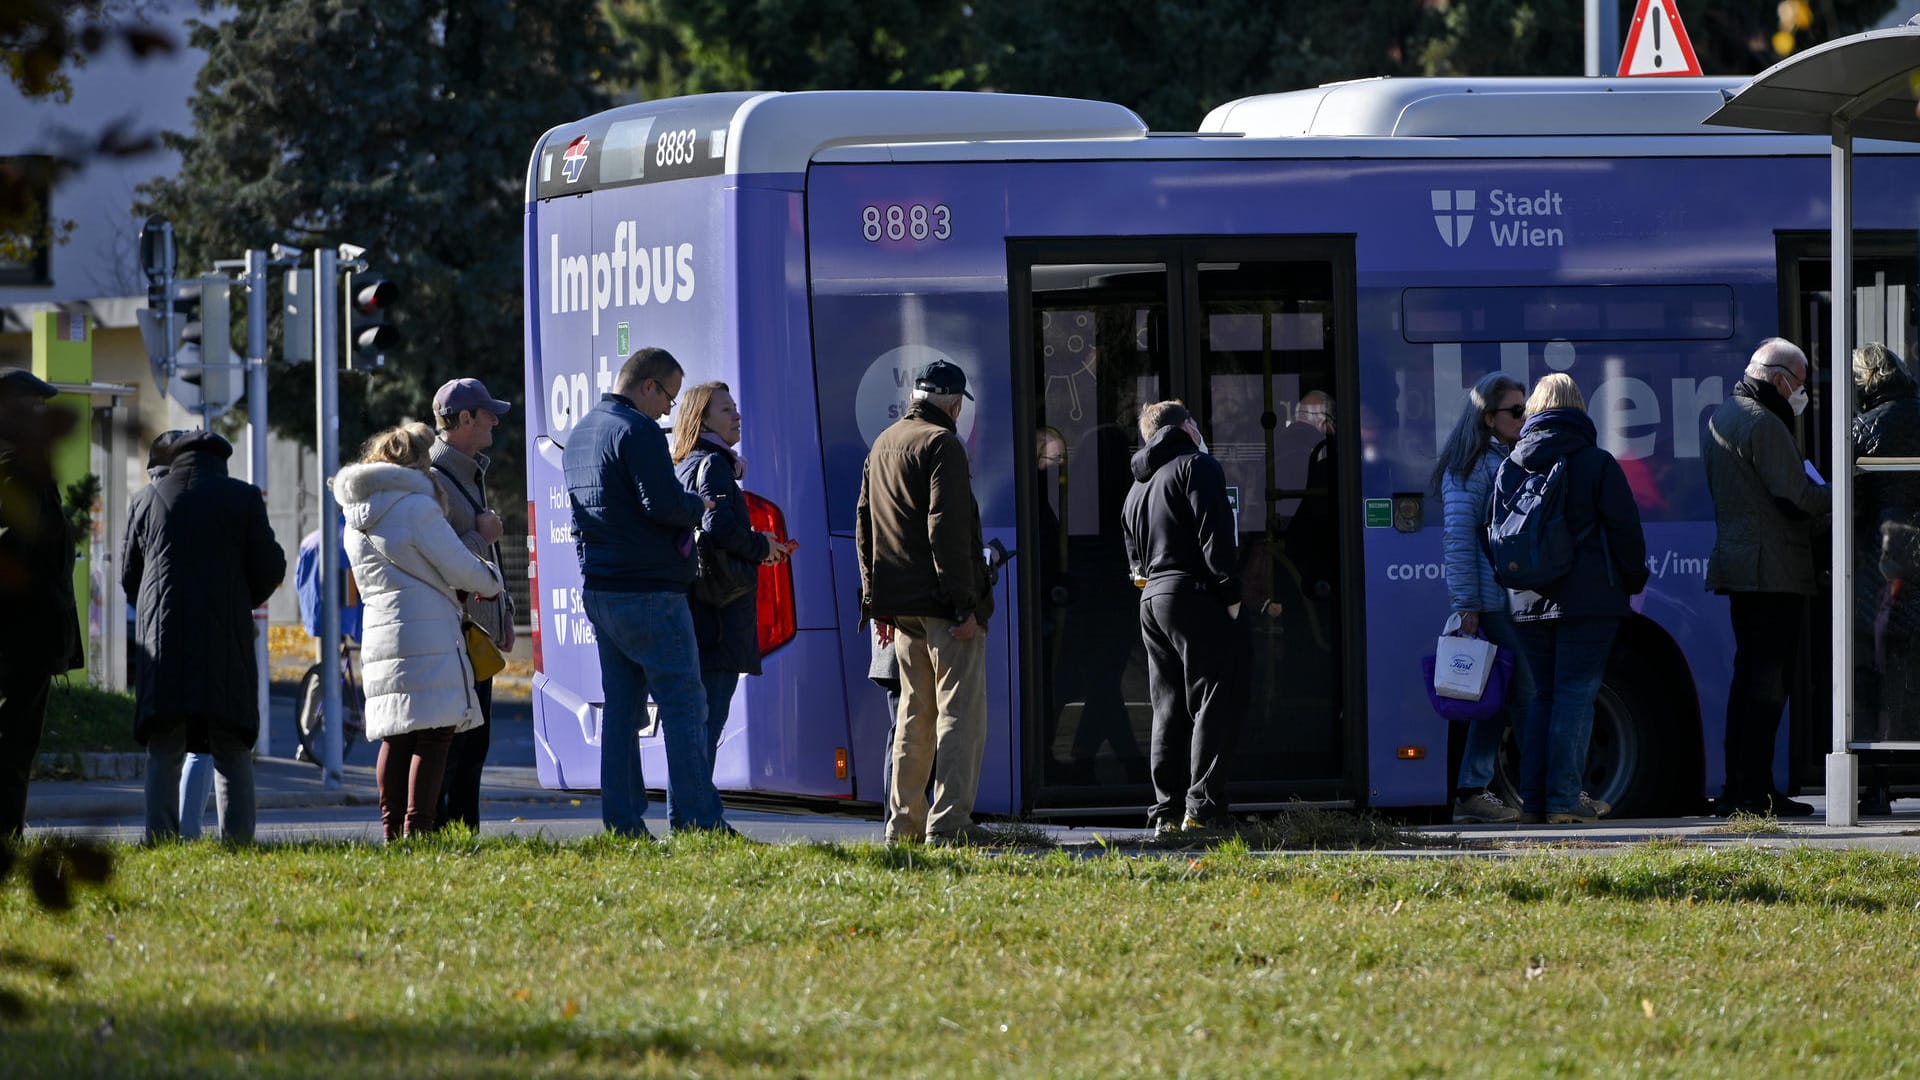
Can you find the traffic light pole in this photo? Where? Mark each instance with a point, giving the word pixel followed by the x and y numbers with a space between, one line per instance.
pixel 256 282
pixel 326 366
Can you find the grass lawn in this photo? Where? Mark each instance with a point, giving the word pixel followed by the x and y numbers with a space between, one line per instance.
pixel 710 958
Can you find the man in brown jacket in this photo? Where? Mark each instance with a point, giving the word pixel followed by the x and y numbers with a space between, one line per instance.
pixel 923 572
pixel 466 415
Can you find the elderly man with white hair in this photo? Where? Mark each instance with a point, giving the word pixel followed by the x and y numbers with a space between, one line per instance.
pixel 1765 507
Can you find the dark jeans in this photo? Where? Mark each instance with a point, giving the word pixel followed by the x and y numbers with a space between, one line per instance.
pixel 647 647
pixel 1568 657
pixel 1198 689
pixel 1474 748
pixel 720 687
pixel 466 758
pixel 1767 629
pixel 408 773
pixel 23 713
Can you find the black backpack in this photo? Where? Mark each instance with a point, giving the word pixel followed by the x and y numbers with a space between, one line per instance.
pixel 1527 536
pixel 719 577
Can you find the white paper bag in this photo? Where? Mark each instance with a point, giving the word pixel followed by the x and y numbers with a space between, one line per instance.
pixel 1461 666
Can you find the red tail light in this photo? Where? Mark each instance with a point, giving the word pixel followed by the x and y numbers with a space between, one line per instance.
pixel 775 616
pixel 533 586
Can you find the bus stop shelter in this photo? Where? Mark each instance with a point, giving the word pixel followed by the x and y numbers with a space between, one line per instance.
pixel 1860 87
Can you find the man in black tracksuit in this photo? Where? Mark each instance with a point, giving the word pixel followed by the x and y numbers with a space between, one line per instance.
pixel 1180 544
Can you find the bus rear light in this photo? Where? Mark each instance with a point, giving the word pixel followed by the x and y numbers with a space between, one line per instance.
pixel 839 763
pixel 1412 753
pixel 774 617
pixel 533 587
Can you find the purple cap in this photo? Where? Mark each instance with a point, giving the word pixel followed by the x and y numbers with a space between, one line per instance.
pixel 463 395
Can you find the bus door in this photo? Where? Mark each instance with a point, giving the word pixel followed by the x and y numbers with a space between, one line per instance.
pixel 1244 332
pixel 1886 308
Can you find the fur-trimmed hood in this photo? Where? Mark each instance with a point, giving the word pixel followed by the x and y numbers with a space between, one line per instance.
pixel 367 492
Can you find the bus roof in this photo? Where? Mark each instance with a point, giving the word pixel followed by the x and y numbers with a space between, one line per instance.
pixel 743 133
pixel 1469 107
pixel 783 133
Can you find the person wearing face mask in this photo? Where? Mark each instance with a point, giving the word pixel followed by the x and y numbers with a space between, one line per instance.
pixel 1181 545
pixel 1766 504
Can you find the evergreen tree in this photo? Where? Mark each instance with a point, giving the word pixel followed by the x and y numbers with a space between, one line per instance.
pixel 404 126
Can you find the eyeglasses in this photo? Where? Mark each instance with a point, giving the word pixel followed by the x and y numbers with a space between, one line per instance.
pixel 661 389
pixel 1518 412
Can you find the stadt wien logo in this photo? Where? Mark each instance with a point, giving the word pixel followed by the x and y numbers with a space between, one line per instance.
pixel 1453 214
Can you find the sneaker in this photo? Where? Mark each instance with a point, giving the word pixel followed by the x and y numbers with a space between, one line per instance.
pixel 1166 827
pixel 1220 823
pixel 1785 807
pixel 1587 812
pixel 1485 808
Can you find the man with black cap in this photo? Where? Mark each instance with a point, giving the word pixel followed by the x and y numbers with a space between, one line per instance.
pixel 923 573
pixel 466 414
pixel 39 623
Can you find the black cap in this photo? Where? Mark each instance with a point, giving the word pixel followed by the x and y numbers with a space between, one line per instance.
pixel 19 382
pixel 942 377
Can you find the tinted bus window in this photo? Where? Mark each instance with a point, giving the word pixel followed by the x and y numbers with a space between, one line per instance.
pixel 1570 312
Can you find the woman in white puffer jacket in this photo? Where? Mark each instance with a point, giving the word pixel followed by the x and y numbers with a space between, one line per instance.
pixel 410 565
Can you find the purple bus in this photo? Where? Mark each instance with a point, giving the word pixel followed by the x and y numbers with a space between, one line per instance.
pixel 1372 247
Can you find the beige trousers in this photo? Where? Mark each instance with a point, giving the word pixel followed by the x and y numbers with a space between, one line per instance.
pixel 941 729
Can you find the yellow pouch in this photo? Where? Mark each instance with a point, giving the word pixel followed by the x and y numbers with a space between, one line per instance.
pixel 482 652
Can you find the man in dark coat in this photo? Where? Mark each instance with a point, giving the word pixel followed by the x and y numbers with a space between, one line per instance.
pixel 200 556
pixel 1182 548
pixel 39 624
pixel 1765 507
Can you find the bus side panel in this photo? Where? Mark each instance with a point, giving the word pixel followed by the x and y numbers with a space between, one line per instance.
pixel 883 308
pixel 794 718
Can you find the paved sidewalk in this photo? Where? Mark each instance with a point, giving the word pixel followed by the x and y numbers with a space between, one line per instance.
pixel 280 783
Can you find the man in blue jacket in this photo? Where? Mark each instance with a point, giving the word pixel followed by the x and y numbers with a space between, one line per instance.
pixel 634 525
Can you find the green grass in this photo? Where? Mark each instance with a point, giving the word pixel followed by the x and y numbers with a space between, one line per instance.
pixel 81 719
pixel 709 957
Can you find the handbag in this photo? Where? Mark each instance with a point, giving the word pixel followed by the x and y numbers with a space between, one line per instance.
pixel 718 577
pixel 1466 677
pixel 482 653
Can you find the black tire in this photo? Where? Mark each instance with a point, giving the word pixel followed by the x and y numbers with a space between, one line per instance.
pixel 307 722
pixel 1634 749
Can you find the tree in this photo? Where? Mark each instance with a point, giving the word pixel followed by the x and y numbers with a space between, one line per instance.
pixel 404 126
pixel 698 46
pixel 41 42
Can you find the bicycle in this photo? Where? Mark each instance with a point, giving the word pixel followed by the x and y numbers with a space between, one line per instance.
pixel 311 719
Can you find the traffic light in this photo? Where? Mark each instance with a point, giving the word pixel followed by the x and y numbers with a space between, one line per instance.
pixel 370 297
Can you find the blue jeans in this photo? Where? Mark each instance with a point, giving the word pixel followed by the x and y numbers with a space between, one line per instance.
pixel 196 783
pixel 1568 656
pixel 720 686
pixel 1484 735
pixel 233 789
pixel 647 645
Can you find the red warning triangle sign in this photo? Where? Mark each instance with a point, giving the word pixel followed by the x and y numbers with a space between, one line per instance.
pixel 1657 43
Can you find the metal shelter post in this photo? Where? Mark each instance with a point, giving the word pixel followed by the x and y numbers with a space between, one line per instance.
pixel 256 282
pixel 1843 768
pixel 326 366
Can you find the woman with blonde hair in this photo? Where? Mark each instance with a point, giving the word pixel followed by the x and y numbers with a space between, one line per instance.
pixel 410 566
pixel 704 435
pixel 1567 626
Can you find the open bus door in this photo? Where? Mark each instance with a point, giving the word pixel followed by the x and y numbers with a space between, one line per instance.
pixel 1242 330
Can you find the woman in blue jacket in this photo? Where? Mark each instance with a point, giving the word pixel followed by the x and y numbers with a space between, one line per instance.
pixel 704 435
pixel 1488 426
pixel 1568 627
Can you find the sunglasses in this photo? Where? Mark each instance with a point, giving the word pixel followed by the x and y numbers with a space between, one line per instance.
pixel 1518 412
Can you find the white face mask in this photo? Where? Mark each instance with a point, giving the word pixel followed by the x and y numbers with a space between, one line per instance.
pixel 1797 401
pixel 1199 440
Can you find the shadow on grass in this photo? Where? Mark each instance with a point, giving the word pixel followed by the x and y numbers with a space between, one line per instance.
pixel 1310 828
pixel 561 1035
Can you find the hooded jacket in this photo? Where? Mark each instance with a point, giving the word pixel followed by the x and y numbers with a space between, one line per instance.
pixel 1178 522
pixel 1610 561
pixel 729 636
pixel 408 562
pixel 916 527
pixel 199 557
pixel 1764 503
